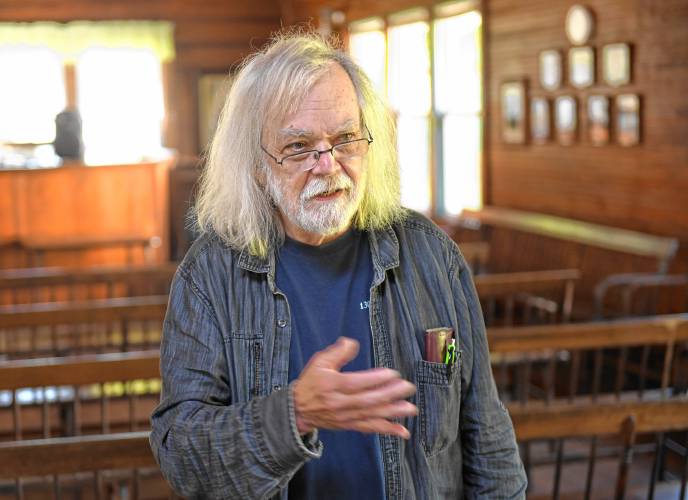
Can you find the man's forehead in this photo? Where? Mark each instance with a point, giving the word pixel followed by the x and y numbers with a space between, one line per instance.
pixel 344 126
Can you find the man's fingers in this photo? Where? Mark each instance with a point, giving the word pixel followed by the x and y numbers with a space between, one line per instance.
pixel 355 382
pixel 336 355
pixel 394 390
pixel 398 409
pixel 380 426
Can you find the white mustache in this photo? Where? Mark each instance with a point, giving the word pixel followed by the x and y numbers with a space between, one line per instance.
pixel 321 186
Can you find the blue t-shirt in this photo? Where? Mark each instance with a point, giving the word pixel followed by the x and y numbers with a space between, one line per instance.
pixel 328 289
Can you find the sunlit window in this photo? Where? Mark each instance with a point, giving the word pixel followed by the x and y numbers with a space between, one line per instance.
pixel 458 105
pixel 447 94
pixel 367 45
pixel 409 92
pixel 31 94
pixel 120 98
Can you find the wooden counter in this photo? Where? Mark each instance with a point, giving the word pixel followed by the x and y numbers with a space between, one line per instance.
pixel 82 215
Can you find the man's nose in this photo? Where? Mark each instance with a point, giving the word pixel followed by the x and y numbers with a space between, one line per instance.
pixel 326 164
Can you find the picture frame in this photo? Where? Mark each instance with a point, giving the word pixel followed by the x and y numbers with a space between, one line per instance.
pixel 550 64
pixel 566 119
pixel 598 120
pixel 212 90
pixel 616 64
pixel 514 117
pixel 540 128
pixel 627 123
pixel 581 67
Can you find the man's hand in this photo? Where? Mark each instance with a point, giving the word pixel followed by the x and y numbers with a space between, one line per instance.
pixel 364 401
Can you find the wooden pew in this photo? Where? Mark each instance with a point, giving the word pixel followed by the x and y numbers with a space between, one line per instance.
pixel 121 463
pixel 582 426
pixel 78 394
pixel 527 297
pixel 634 358
pixel 641 294
pixel 52 284
pixel 477 255
pixel 527 241
pixel 55 329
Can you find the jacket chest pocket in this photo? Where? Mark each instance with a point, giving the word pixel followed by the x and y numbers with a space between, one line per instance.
pixel 245 352
pixel 439 401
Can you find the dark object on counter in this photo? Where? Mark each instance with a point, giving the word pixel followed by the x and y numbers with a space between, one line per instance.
pixel 68 139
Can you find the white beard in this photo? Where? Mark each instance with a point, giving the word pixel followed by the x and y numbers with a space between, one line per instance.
pixel 318 217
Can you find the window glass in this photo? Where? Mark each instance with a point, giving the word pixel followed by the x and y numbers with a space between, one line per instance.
pixel 413 144
pixel 32 93
pixel 409 93
pixel 368 49
pixel 121 103
pixel 458 106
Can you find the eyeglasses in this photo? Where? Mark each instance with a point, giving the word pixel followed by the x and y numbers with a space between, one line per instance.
pixel 341 152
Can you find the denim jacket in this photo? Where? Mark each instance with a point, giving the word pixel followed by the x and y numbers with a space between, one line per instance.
pixel 225 427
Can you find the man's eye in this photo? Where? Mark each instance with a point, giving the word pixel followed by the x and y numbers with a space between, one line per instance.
pixel 349 136
pixel 295 147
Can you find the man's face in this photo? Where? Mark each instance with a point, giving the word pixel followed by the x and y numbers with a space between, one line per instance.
pixel 318 205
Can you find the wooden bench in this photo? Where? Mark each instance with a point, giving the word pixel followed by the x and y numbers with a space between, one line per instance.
pixel 57 329
pixel 641 294
pixel 78 394
pixel 588 360
pixel 477 255
pixel 527 241
pixel 30 285
pixel 582 426
pixel 527 297
pixel 99 466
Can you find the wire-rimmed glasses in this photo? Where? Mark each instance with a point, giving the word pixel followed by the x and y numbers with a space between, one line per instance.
pixel 341 152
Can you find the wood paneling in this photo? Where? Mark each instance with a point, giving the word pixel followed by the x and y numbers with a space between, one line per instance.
pixel 643 187
pixel 75 203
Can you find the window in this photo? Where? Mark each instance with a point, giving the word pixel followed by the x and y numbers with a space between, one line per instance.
pixel 31 94
pixel 121 104
pixel 432 69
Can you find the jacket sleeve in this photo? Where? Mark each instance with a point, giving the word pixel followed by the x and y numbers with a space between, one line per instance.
pixel 206 445
pixel 492 468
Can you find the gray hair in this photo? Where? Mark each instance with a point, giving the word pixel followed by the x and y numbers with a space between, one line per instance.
pixel 232 200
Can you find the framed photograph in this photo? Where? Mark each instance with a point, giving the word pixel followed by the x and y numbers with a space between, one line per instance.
pixel 598 120
pixel 566 119
pixel 550 69
pixel 627 119
pixel 581 67
pixel 540 129
pixel 212 91
pixel 513 101
pixel 616 64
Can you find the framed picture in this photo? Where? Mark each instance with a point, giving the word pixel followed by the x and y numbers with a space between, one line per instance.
pixel 540 129
pixel 627 119
pixel 513 101
pixel 598 119
pixel 616 64
pixel 550 69
pixel 212 91
pixel 566 119
pixel 581 67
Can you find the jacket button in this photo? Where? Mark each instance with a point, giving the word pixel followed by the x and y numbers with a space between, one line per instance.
pixel 282 323
pixel 276 388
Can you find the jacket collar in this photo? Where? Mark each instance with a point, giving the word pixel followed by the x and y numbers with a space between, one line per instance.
pixel 384 248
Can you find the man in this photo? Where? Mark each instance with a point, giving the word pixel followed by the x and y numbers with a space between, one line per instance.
pixel 293 356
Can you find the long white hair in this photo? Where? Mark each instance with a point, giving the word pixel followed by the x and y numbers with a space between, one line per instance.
pixel 232 201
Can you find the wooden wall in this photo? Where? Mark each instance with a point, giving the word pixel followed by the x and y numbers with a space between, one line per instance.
pixel 644 187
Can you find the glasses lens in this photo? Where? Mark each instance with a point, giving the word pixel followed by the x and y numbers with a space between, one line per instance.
pixel 299 161
pixel 351 149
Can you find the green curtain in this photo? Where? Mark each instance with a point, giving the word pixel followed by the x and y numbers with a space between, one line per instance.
pixel 70 39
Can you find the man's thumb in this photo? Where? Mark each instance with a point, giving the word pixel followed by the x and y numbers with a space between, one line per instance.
pixel 338 354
